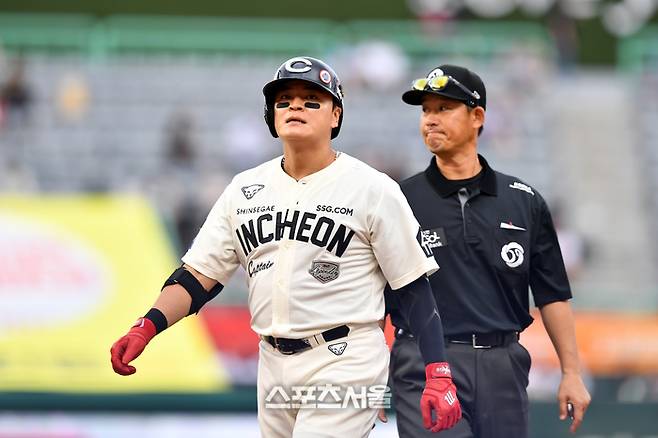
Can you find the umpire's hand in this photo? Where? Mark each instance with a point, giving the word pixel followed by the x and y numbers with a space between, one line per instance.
pixel 440 396
pixel 573 391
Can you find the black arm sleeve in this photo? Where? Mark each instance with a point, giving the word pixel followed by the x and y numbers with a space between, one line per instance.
pixel 199 295
pixel 418 307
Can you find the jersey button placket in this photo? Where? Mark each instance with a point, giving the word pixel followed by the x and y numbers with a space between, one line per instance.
pixel 284 276
pixel 280 307
pixel 302 185
pixel 463 197
pixel 280 296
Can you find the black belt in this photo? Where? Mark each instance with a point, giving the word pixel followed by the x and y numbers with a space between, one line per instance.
pixel 484 340
pixel 292 346
pixel 403 334
pixel 476 340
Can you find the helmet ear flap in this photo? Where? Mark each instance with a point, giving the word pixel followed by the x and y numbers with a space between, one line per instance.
pixel 268 115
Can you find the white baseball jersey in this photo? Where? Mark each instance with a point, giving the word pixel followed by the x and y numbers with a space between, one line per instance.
pixel 318 251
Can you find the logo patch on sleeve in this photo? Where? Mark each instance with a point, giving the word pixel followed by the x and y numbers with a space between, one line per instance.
pixel 523 187
pixel 250 191
pixel 423 243
pixel 435 238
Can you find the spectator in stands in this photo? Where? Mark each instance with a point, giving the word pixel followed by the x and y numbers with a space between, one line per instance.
pixel 565 34
pixel 181 174
pixel 180 144
pixel 244 142
pixel 17 178
pixel 378 65
pixel 15 96
pixel 73 97
pixel 575 248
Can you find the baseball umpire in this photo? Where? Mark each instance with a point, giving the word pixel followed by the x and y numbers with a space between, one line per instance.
pixel 493 237
pixel 320 234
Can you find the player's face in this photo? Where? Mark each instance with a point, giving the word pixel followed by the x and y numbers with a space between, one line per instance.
pixel 448 125
pixel 304 111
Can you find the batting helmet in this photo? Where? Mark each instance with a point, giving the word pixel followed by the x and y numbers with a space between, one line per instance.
pixel 303 68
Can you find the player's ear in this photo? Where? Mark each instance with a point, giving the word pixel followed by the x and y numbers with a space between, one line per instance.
pixel 477 116
pixel 336 115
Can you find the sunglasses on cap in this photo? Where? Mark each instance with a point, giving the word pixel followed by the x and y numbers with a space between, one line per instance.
pixel 439 83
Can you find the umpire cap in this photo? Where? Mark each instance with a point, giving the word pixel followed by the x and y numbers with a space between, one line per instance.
pixel 451 81
pixel 303 68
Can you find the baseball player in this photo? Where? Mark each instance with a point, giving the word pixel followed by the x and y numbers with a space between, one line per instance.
pixel 494 238
pixel 319 234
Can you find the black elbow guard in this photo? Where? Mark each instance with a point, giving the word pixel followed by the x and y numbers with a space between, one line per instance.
pixel 193 287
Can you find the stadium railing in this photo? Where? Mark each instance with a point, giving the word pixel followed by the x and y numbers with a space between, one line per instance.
pixel 117 34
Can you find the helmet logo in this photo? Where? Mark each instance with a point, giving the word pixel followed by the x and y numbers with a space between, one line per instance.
pixel 325 77
pixel 291 62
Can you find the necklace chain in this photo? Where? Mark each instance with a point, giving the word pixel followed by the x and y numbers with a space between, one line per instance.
pixel 283 159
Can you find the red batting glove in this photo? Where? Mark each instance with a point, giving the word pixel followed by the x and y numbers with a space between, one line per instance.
pixel 439 395
pixel 131 345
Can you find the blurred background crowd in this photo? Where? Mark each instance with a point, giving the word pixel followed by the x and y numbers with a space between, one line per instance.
pixel 121 124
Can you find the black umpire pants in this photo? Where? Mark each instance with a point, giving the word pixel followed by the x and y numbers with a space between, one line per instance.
pixel 491 387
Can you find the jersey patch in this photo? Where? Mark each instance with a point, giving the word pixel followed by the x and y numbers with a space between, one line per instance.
pixel 324 272
pixel 434 238
pixel 523 187
pixel 512 254
pixel 250 191
pixel 338 349
pixel 255 268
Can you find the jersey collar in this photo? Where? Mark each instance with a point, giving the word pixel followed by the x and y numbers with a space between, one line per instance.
pixel 445 189
pixel 320 175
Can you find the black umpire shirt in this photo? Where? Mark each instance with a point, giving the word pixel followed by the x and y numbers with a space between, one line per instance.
pixel 493 238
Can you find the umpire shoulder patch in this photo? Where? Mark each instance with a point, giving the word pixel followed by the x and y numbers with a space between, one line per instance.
pixel 434 238
pixel 523 187
pixel 422 241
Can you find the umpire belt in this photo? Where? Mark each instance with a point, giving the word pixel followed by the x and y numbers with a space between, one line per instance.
pixel 292 346
pixel 476 340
